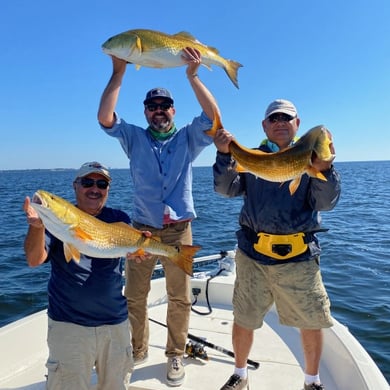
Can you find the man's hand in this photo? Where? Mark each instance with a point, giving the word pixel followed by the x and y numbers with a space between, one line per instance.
pixel 118 65
pixel 32 216
pixel 140 258
pixel 193 58
pixel 222 140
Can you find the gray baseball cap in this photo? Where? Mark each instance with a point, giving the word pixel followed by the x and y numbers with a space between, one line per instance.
pixel 93 167
pixel 283 106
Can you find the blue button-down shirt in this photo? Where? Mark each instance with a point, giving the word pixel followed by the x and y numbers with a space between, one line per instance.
pixel 162 170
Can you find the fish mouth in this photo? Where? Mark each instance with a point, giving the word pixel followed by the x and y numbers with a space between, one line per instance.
pixel 37 199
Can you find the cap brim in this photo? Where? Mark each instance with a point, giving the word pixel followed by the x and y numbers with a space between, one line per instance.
pixel 147 101
pixel 97 173
pixel 282 111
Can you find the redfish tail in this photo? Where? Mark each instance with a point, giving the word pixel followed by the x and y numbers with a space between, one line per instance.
pixel 231 70
pixel 217 124
pixel 185 256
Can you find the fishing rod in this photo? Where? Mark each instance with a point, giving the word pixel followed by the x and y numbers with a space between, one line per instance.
pixel 211 345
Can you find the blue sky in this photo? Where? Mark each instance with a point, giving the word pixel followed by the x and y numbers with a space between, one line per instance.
pixel 331 58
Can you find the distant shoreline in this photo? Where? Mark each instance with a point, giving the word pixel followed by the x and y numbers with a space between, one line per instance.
pixel 195 166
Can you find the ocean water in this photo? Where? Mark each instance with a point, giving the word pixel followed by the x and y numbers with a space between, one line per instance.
pixel 356 250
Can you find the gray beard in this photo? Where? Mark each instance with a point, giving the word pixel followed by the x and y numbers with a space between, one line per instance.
pixel 161 126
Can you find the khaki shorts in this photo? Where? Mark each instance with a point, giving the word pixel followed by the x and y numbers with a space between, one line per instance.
pixel 296 289
pixel 74 350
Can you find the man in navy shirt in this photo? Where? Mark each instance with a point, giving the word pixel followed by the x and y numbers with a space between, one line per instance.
pixel 278 254
pixel 87 312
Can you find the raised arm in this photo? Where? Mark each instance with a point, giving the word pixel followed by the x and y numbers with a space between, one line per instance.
pixel 206 100
pixel 111 92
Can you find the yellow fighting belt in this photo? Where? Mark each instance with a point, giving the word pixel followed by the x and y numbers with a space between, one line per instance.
pixel 280 247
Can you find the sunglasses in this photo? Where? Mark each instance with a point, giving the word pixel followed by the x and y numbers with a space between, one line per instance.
pixel 280 117
pixel 154 106
pixel 87 182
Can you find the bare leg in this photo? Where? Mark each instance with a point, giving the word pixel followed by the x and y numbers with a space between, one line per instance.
pixel 312 340
pixel 242 344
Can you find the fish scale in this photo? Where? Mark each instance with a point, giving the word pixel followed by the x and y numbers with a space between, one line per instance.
pixel 268 166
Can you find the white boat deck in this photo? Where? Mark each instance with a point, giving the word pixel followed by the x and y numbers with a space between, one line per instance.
pixel 345 365
pixel 278 367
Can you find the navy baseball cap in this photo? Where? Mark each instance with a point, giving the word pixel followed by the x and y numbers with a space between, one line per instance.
pixel 158 93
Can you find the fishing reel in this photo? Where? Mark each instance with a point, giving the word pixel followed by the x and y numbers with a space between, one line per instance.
pixel 196 350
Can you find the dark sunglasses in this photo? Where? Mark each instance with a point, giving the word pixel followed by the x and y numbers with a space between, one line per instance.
pixel 154 106
pixel 87 182
pixel 280 117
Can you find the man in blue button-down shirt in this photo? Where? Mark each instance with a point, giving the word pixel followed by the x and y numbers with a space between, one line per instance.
pixel 161 158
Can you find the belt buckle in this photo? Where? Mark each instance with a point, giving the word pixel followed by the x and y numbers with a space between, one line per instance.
pixel 282 249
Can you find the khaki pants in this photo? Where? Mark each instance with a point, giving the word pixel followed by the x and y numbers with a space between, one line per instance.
pixel 138 277
pixel 74 350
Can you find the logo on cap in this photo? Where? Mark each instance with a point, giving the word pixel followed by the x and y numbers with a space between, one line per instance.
pixel 93 167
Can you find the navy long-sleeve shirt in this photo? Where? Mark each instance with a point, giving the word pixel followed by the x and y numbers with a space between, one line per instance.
pixel 269 207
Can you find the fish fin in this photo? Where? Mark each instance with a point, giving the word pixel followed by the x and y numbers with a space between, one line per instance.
pixel 294 184
pixel 189 36
pixel 82 234
pixel 186 35
pixel 139 252
pixel 138 44
pixel 313 172
pixel 239 168
pixel 184 257
pixel 127 226
pixel 217 124
pixel 207 66
pixel 70 252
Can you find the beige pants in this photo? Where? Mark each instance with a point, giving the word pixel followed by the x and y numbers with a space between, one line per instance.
pixel 138 277
pixel 74 351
